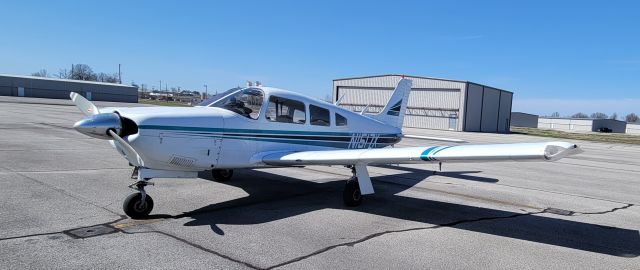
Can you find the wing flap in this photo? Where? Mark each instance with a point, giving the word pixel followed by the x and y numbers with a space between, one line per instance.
pixel 549 151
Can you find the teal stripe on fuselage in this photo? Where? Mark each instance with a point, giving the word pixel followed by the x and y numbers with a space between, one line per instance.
pixel 221 133
pixel 259 131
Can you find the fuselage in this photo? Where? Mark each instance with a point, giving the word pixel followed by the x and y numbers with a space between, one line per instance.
pixel 237 130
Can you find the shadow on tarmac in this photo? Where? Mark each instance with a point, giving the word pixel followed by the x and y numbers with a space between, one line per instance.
pixel 274 197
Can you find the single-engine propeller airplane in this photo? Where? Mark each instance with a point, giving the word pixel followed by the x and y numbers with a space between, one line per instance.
pixel 256 127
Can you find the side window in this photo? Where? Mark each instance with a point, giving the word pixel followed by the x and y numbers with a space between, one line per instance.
pixel 319 116
pixel 340 120
pixel 286 110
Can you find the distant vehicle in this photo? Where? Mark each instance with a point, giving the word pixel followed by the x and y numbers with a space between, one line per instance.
pixel 256 127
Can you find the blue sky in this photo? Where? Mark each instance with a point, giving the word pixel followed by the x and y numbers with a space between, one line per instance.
pixel 564 56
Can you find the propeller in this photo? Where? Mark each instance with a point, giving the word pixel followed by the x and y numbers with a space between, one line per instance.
pixel 85 106
pixel 103 126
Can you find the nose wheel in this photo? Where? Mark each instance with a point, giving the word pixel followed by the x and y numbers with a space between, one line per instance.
pixel 138 205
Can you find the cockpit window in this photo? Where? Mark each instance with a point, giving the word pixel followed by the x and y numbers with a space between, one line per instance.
pixel 218 96
pixel 246 102
pixel 286 110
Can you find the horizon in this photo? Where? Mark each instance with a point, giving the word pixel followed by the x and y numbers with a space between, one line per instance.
pixel 556 57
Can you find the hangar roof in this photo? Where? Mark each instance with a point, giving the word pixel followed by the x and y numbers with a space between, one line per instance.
pixel 418 77
pixel 62 80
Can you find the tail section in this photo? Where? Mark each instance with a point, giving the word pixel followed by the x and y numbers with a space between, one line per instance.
pixel 393 113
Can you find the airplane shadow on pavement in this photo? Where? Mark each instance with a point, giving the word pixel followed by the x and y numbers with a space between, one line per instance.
pixel 274 197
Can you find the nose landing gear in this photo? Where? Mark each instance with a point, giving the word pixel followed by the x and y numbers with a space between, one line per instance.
pixel 138 205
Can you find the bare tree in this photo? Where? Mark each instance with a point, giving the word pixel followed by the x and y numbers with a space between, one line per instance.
pixel 631 118
pixel 599 115
pixel 41 73
pixel 555 114
pixel 104 77
pixel 63 74
pixel 83 72
pixel 580 115
pixel 614 116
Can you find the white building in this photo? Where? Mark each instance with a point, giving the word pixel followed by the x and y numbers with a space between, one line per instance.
pixel 433 103
pixel 582 124
pixel 633 128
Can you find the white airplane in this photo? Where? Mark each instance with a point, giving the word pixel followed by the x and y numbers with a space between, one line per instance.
pixel 257 127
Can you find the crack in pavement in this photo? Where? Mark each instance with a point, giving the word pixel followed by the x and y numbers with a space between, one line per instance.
pixel 378 234
pixel 202 248
pixel 606 211
pixel 64 192
pixel 445 225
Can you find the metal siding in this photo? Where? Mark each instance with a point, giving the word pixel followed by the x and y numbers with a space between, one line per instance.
pixel 565 124
pixel 504 115
pixel 473 108
pixel 435 99
pixel 490 103
pixel 633 129
pixel 54 88
pixel 519 119
pixel 5 91
pixel 616 126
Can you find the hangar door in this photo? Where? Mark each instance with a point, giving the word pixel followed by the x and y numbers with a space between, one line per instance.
pixel 433 108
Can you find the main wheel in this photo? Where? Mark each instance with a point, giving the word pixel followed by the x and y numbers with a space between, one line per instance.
pixel 135 208
pixel 351 194
pixel 222 175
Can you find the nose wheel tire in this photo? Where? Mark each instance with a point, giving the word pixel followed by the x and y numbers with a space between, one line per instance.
pixel 135 208
pixel 222 175
pixel 351 194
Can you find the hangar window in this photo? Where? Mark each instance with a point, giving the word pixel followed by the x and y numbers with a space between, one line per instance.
pixel 319 116
pixel 286 110
pixel 245 102
pixel 340 120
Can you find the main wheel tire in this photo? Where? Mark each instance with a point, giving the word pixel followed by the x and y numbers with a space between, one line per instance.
pixel 135 208
pixel 351 194
pixel 222 175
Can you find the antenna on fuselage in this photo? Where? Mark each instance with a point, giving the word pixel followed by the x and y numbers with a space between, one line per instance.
pixel 337 103
pixel 365 109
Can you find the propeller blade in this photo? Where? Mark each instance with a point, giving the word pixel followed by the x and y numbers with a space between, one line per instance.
pixel 433 138
pixel 85 106
pixel 129 153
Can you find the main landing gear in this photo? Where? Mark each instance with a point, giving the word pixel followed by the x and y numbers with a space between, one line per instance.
pixel 351 194
pixel 357 186
pixel 222 175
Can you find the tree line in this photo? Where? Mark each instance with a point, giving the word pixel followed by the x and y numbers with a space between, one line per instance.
pixel 82 72
pixel 631 118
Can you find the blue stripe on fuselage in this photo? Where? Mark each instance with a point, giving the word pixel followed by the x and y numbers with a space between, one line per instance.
pixel 277 135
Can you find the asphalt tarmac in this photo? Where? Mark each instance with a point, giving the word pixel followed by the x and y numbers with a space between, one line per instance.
pixel 61 197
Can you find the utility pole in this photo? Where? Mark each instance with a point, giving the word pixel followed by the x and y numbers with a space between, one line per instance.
pixel 119 74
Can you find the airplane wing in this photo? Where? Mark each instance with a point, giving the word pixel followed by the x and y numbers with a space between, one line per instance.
pixel 548 151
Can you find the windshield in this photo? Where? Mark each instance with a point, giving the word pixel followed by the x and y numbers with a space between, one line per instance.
pixel 246 102
pixel 216 97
